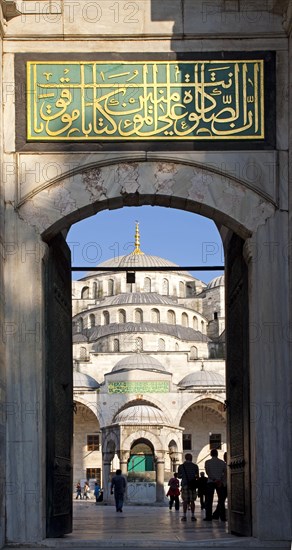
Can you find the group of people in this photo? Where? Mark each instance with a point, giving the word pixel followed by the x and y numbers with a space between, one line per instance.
pixel 192 485
pixel 98 493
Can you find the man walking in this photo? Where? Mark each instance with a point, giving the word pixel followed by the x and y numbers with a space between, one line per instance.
pixel 216 472
pixel 188 472
pixel 118 487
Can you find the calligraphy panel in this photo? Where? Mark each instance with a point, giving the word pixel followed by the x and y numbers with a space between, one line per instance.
pixel 139 387
pixel 143 100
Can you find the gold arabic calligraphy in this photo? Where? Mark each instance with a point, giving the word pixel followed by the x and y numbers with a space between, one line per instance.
pixel 145 100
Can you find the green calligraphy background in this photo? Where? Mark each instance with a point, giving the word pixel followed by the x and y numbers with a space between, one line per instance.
pixel 145 100
pixel 139 387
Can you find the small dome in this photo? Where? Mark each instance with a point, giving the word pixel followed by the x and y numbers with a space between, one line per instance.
pixel 141 414
pixel 217 281
pixel 202 378
pixel 79 338
pixel 139 361
pixel 85 381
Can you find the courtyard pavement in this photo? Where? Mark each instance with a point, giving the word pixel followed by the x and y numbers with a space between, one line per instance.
pixel 140 527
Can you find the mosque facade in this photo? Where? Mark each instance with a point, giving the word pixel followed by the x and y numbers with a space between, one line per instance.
pixel 149 372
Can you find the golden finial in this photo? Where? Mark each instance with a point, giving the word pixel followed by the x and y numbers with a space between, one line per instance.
pixel 137 241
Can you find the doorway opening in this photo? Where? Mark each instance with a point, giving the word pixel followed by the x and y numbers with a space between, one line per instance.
pixel 93 331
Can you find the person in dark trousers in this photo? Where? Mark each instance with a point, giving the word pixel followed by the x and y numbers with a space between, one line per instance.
pixel 202 487
pixel 118 488
pixel 96 492
pixel 78 491
pixel 173 492
pixel 188 472
pixel 224 481
pixel 216 472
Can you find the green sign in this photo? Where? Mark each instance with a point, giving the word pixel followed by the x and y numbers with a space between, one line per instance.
pixel 177 100
pixel 139 387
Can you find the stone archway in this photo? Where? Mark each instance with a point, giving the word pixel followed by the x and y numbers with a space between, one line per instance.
pixel 47 208
pixel 55 204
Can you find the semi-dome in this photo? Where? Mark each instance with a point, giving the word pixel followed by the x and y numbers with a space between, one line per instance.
pixel 186 334
pixel 143 298
pixel 217 281
pixel 139 361
pixel 202 378
pixel 141 414
pixel 81 380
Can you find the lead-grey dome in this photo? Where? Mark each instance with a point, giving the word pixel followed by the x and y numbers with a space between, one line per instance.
pixel 187 334
pixel 136 260
pixel 141 414
pixel 144 298
pixel 217 281
pixel 139 361
pixel 202 378
pixel 81 380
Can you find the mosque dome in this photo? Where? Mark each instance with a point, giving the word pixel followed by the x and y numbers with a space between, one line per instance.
pixel 81 380
pixel 127 298
pixel 202 378
pixel 137 258
pixel 139 361
pixel 78 338
pixel 217 281
pixel 141 414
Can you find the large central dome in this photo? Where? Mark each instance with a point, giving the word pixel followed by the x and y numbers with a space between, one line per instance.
pixel 137 258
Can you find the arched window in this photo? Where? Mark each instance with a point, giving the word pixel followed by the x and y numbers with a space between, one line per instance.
pixel 155 316
pixel 184 320
pixel 79 324
pixel 116 345
pixel 110 287
pixel 138 344
pixel 181 289
pixel 83 354
pixel 138 316
pixel 106 317
pixel 195 323
pixel 171 317
pixel 165 287
pixel 161 344
pixel 94 291
pixel 122 316
pixel 91 320
pixel 85 293
pixel 176 347
pixel 202 327
pixel 147 284
pixel 193 353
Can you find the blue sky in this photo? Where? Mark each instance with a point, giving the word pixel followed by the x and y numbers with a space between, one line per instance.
pixel 181 237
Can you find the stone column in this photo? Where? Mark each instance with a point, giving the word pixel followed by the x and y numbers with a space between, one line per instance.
pixel 270 380
pixel 160 480
pixel 124 467
pixel 123 456
pixel 106 468
pixel 25 382
pixel 176 464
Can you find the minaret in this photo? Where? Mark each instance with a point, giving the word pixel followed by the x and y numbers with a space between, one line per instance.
pixel 137 241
